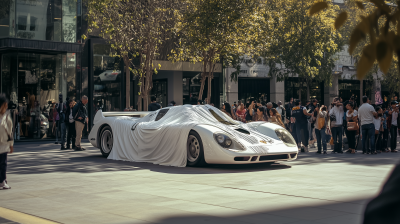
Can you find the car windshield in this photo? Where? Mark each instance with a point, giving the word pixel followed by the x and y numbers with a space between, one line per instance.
pixel 225 120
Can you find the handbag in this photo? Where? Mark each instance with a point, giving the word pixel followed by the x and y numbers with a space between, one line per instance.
pixel 352 126
pixel 321 123
pixel 331 142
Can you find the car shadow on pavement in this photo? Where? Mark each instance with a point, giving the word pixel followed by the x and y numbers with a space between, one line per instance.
pixel 39 161
pixel 349 212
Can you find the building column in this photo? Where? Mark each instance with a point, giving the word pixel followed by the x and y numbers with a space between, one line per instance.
pixel 277 90
pixel 175 87
pixel 232 93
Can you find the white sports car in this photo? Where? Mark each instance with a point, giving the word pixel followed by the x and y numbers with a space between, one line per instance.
pixel 189 135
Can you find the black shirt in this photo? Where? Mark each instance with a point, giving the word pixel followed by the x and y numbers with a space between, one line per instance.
pixel 301 119
pixel 154 106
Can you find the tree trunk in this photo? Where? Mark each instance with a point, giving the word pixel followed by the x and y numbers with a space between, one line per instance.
pixel 209 90
pixel 203 82
pixel 361 91
pixel 127 82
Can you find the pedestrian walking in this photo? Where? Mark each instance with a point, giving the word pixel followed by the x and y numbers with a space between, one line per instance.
pixel 81 118
pixel 366 114
pixel 378 123
pixel 352 126
pixel 393 125
pixel 61 110
pixel 69 120
pixel 313 109
pixel 322 125
pixel 299 113
pixel 336 116
pixel 6 140
pixel 385 136
pixel 153 106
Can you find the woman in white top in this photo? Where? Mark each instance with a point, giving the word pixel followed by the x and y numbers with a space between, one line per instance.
pixel 6 140
pixel 351 116
pixel 378 123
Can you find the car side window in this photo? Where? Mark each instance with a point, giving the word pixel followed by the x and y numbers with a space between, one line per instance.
pixel 161 114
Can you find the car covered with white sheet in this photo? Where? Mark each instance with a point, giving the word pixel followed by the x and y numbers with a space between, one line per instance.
pixel 189 135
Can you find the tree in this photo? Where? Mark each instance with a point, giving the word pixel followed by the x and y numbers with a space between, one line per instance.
pixel 377 31
pixel 134 28
pixel 214 30
pixel 300 44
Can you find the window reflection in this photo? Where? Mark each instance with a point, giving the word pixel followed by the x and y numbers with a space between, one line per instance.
pixel 107 79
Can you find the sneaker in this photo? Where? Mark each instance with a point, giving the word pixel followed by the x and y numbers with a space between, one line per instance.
pixel 63 148
pixel 325 152
pixel 4 186
pixel 394 151
pixel 78 149
pixel 83 149
pixel 319 152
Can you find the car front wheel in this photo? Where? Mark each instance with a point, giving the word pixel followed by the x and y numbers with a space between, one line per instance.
pixel 106 141
pixel 195 152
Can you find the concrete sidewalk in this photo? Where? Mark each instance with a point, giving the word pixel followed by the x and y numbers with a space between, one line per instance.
pixel 83 187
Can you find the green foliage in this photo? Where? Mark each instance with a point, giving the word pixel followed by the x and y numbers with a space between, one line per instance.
pixel 134 28
pixel 210 30
pixel 297 43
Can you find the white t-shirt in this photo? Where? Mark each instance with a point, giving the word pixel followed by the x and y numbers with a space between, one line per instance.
pixel 279 109
pixel 377 123
pixel 339 113
pixel 365 114
pixel 71 118
pixel 355 113
pixel 394 118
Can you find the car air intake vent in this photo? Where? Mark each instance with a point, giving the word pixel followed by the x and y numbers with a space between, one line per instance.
pixel 242 131
pixel 273 157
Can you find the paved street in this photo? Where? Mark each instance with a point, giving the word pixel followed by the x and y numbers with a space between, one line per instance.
pixel 83 187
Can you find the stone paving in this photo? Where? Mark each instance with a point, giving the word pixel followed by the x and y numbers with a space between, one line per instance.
pixel 83 187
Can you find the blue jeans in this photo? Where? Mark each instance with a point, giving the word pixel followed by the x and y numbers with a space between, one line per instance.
pixel 337 134
pixel 321 137
pixel 63 133
pixel 368 131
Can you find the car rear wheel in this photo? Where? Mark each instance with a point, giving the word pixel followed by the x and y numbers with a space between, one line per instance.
pixel 195 152
pixel 106 141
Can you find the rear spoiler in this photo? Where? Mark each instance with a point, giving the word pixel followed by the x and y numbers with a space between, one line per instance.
pixel 100 114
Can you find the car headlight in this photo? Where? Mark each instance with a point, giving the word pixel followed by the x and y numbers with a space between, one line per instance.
pixel 286 137
pixel 223 140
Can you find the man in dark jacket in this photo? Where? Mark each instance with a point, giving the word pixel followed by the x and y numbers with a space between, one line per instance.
pixel 81 118
pixel 153 106
pixel 62 109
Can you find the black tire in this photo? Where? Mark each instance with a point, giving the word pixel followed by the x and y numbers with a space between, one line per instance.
pixel 195 152
pixel 106 141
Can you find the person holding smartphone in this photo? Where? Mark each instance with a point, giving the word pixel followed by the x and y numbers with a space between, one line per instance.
pixel 6 140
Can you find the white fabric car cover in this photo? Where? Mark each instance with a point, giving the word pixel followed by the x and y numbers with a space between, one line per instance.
pixel 164 141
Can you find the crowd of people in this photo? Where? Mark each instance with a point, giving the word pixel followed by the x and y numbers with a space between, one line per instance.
pixel 372 124
pixel 72 119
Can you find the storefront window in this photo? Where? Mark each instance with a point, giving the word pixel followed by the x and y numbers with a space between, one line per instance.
pixel 107 79
pixel 254 89
pixel 40 19
pixel 293 86
pixel 349 88
pixel 34 82
pixel 191 88
pixel 159 90
pixel 7 13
